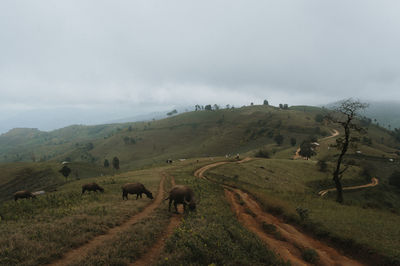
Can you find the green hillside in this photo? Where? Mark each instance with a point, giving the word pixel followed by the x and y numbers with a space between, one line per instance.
pixel 204 133
pixel 62 219
pixel 192 134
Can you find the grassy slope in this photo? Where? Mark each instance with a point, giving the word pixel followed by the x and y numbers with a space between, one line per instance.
pixel 283 185
pixel 243 130
pixel 194 133
pixel 38 231
pixel 41 176
pixel 191 134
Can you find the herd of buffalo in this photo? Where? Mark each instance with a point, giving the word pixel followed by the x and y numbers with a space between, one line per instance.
pixel 179 194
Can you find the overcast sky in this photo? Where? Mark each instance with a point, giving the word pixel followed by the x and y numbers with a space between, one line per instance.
pixel 149 55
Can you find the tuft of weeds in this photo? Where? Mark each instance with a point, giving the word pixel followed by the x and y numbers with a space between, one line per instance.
pixel 310 255
pixel 271 229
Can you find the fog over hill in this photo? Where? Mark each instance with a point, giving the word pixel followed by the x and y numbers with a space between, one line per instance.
pixel 386 113
pixel 47 119
pixel 92 61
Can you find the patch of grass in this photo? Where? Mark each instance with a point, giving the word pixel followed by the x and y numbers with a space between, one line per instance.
pixel 271 229
pixel 130 245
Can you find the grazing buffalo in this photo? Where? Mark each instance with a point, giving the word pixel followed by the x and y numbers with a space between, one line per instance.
pixel 91 187
pixel 182 195
pixel 135 188
pixel 23 194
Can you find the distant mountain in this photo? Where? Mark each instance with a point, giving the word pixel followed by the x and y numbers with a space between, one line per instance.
pixel 48 119
pixel 386 113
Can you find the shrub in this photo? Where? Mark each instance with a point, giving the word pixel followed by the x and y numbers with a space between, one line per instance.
pixel 322 165
pixel 279 139
pixel 319 118
pixel 293 141
pixel 394 179
pixel 262 153
pixel 310 255
pixel 303 213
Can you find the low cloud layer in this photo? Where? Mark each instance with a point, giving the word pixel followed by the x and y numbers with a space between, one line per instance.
pixel 166 53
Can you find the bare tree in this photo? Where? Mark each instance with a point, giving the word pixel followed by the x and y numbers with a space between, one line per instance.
pixel 344 115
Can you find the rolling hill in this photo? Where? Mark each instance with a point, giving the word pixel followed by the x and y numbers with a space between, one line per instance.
pixel 235 196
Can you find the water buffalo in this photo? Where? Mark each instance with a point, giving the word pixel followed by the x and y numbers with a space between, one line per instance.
pixel 182 195
pixel 23 194
pixel 91 187
pixel 135 188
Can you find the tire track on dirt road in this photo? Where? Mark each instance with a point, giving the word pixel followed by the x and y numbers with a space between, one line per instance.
pixel 152 255
pixel 284 239
pixel 83 250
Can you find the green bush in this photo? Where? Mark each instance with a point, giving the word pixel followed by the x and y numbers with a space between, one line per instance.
pixel 310 255
pixel 394 179
pixel 262 154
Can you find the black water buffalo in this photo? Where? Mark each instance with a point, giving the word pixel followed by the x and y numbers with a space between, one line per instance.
pixel 182 195
pixel 91 187
pixel 23 194
pixel 135 188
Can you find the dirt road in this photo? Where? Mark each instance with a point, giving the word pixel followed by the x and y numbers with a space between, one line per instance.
pixel 82 251
pixel 284 239
pixel 152 255
pixel 374 182
pixel 334 134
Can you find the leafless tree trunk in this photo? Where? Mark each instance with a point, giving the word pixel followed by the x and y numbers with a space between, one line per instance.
pixel 344 116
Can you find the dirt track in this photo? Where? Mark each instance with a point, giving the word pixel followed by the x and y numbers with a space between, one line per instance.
pixel 154 252
pixel 284 239
pixel 374 182
pixel 81 252
pixel 334 134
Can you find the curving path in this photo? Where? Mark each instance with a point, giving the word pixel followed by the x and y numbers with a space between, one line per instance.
pixel 374 182
pixel 334 134
pixel 284 239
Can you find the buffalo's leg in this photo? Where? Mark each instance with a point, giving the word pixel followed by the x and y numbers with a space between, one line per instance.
pixel 169 206
pixel 176 206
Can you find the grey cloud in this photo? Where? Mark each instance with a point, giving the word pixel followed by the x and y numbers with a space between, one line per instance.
pixel 78 53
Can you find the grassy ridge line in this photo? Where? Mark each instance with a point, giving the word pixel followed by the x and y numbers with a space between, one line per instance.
pixel 282 188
